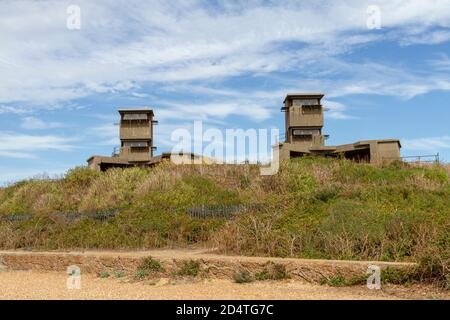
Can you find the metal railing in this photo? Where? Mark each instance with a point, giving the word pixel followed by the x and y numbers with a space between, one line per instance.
pixel 70 216
pixel 116 151
pixel 220 211
pixel 196 212
pixel 422 158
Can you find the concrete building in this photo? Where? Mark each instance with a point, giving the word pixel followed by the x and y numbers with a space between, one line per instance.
pixel 304 121
pixel 136 143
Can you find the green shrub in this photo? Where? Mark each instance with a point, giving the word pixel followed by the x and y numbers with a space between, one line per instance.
pixel 242 277
pixel 326 193
pixel 337 281
pixel 342 281
pixel 263 275
pixel 104 274
pixel 273 271
pixel 189 268
pixel 81 177
pixel 150 265
pixel 244 181
pixel 437 174
pixel 399 276
pixel 141 274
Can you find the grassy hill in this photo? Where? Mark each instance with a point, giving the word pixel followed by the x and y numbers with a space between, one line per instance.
pixel 313 208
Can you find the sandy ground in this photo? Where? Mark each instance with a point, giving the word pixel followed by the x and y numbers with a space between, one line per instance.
pixel 52 285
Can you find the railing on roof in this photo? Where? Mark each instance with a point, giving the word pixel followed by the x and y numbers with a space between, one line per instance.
pixel 116 151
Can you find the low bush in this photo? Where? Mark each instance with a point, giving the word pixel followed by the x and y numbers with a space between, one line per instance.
pixel 189 268
pixel 243 277
pixel 273 271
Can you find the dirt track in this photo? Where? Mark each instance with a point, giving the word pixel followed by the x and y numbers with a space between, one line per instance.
pixel 42 275
pixel 52 285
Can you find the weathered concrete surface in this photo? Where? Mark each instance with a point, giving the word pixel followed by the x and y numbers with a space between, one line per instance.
pixel 211 265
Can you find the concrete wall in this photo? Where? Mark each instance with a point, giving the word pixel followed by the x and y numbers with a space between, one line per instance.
pixel 297 118
pixel 135 154
pixel 135 129
pixel 386 151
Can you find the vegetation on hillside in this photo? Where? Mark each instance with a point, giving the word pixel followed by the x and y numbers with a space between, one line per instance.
pixel 314 208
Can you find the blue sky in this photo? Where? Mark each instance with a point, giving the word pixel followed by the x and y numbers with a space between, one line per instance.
pixel 227 64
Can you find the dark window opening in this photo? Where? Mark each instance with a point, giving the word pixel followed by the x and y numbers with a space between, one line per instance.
pixel 106 166
pixel 305 102
pixel 305 137
pixel 135 144
pixel 311 109
pixel 135 116
pixel 139 149
pixel 361 156
pixel 302 132
pixel 296 154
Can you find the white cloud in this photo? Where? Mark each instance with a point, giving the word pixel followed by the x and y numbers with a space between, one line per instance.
pixel 216 110
pixel 105 134
pixel 31 123
pixel 16 154
pixel 348 78
pixel 200 48
pixel 442 63
pixel 24 146
pixel 336 110
pixel 430 38
pixel 122 46
pixel 432 144
pixel 12 109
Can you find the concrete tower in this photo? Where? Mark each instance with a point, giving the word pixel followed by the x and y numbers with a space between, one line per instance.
pixel 136 135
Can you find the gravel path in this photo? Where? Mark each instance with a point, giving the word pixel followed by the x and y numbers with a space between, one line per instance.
pixel 52 285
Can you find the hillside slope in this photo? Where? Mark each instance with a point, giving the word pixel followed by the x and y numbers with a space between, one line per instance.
pixel 313 208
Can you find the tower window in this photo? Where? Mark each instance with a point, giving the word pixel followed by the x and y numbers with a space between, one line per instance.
pixel 135 144
pixel 135 116
pixel 305 102
pixel 311 109
pixel 305 132
pixel 303 137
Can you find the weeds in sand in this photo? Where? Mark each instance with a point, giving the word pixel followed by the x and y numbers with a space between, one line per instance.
pixel 104 274
pixel 273 271
pixel 189 268
pixel 141 274
pixel 243 277
pixel 119 274
pixel 151 265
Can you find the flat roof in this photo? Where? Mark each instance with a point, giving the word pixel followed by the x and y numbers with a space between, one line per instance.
pixel 304 95
pixel 361 142
pixel 136 110
pixel 365 144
